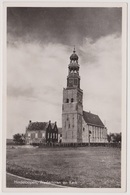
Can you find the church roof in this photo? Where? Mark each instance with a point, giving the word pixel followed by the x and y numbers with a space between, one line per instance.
pixel 37 126
pixel 92 119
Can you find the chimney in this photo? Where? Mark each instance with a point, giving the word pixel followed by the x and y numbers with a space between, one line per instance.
pixel 49 121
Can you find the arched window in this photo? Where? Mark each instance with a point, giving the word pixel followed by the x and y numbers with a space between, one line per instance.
pixel 72 99
pixel 67 100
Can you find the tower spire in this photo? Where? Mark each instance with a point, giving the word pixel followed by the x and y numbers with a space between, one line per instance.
pixel 73 79
pixel 72 107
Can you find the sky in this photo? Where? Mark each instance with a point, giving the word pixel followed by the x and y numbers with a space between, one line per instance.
pixel 39 44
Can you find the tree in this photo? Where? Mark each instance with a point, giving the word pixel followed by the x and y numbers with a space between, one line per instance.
pixel 19 138
pixel 117 137
pixel 109 137
pixel 114 137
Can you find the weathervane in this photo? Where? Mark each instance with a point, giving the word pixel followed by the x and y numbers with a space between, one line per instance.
pixel 74 49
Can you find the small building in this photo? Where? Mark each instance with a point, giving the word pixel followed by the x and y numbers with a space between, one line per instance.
pixel 41 132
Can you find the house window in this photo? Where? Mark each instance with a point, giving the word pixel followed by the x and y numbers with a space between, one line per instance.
pixel 33 135
pixel 69 126
pixel 48 136
pixel 43 134
pixel 67 100
pixel 72 100
pixel 29 134
pixel 54 135
pixel 39 135
pixel 83 128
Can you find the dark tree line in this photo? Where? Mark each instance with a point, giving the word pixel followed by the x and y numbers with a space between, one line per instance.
pixel 111 137
pixel 114 137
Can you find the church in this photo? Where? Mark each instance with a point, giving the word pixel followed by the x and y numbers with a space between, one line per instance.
pixel 79 126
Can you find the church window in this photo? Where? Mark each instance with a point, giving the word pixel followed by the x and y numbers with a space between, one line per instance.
pixel 67 100
pixel 72 99
pixel 48 136
pixel 75 81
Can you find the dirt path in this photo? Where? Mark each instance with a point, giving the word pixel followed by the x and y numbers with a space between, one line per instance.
pixel 13 181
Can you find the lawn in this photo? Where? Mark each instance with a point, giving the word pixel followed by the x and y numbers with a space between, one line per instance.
pixel 85 167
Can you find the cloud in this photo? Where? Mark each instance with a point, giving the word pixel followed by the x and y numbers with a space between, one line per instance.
pixel 101 80
pixel 37 74
pixel 65 25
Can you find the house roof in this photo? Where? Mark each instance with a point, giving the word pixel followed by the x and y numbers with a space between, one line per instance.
pixel 52 125
pixel 34 126
pixel 92 119
pixel 37 126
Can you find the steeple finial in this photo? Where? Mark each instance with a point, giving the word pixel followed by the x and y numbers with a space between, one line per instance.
pixel 74 49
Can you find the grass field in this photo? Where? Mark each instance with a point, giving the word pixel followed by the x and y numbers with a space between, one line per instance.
pixel 87 167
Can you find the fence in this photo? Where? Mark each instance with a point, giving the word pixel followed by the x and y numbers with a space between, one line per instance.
pixel 115 145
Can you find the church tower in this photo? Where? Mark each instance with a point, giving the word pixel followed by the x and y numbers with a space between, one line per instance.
pixel 72 107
